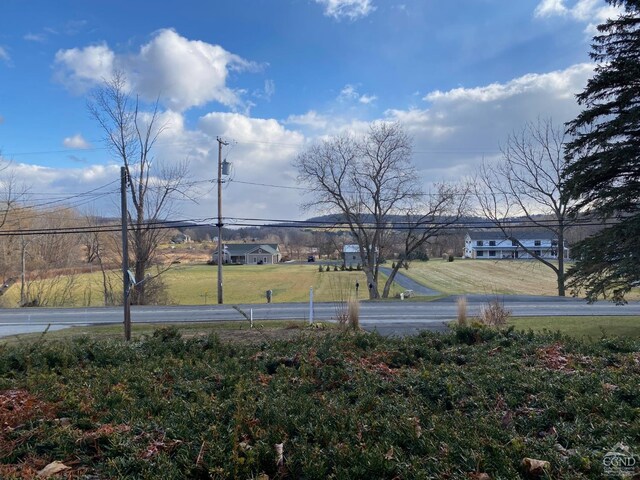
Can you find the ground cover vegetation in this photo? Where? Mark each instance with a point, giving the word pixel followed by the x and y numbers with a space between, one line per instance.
pixel 473 403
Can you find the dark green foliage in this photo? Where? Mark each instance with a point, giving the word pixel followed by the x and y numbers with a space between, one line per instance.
pixel 320 268
pixel 603 159
pixel 345 406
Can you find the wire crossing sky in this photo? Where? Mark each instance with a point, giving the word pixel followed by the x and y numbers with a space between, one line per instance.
pixel 271 78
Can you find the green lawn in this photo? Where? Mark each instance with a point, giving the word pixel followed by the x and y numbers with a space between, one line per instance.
pixel 197 285
pixel 485 276
pixel 508 277
pixel 584 328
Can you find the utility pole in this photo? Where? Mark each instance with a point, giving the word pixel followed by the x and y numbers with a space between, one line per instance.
pixel 125 254
pixel 219 224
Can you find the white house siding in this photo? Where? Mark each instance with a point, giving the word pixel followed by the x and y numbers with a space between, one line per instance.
pixel 501 248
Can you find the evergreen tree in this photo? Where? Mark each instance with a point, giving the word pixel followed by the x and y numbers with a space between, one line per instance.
pixel 603 160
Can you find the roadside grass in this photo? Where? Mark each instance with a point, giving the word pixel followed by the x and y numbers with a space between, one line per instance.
pixel 503 277
pixel 236 331
pixel 585 328
pixel 589 329
pixel 196 285
pixel 471 402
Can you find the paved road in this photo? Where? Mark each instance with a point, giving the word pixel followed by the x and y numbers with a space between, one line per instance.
pixel 388 317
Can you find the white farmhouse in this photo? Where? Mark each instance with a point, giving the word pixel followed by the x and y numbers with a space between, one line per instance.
pixel 494 244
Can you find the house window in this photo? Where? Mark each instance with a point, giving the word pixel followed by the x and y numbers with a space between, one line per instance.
pixel 514 243
pixel 537 252
pixel 536 243
pixel 492 243
pixel 479 243
pixel 492 253
pixel 255 260
pixel 480 254
pixel 554 243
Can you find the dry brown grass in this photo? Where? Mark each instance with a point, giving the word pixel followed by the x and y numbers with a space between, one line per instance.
pixel 462 311
pixel 494 314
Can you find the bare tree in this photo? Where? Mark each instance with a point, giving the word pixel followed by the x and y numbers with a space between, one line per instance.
pixel 527 183
pixel 131 135
pixel 371 182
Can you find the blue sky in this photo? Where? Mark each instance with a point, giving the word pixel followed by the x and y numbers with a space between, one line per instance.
pixel 272 76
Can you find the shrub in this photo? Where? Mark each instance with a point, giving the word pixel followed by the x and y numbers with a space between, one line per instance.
pixel 358 267
pixel 451 258
pixel 494 314
pixel 320 268
pixel 335 268
pixel 393 265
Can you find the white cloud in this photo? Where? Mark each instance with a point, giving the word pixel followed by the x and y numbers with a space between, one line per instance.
pixel 311 119
pixel 592 12
pixel 82 68
pixel 185 73
pixel 350 93
pixel 76 142
pixel 554 82
pixel 349 9
pixel 269 88
pixel 461 126
pixel 4 55
pixel 547 8
pixel 367 99
pixel 35 37
pixel 453 131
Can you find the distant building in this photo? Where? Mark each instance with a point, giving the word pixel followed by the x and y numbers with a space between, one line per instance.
pixel 250 253
pixel 181 238
pixel 351 256
pixel 493 244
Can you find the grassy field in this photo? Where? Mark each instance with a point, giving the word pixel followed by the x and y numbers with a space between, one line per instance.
pixel 196 285
pixel 485 276
pixel 506 277
pixel 583 328
pixel 471 404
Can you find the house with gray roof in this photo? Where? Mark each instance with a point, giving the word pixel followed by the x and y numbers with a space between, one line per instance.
pixel 250 253
pixel 495 244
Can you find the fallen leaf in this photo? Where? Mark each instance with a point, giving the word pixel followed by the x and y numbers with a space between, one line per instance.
pixel 389 454
pixel 535 467
pixel 479 476
pixel 279 453
pixel 52 469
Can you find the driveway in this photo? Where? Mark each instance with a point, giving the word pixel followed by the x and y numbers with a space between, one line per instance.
pixel 409 284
